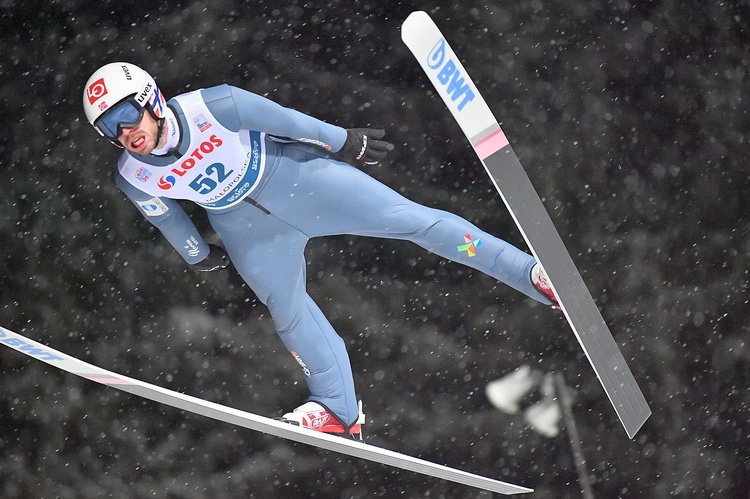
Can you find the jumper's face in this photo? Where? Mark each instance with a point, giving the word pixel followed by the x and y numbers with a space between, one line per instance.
pixel 141 137
pixel 131 125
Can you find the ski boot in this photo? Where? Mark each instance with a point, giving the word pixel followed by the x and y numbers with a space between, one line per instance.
pixel 313 416
pixel 541 282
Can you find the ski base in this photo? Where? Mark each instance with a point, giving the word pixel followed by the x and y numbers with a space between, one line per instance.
pixel 251 421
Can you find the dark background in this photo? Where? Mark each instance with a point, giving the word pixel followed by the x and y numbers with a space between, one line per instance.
pixel 631 120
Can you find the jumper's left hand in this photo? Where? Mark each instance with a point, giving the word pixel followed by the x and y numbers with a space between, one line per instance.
pixel 217 259
pixel 364 147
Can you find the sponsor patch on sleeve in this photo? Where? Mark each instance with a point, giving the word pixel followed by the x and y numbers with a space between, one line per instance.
pixel 153 207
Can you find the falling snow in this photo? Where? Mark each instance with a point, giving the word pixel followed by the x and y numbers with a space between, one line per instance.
pixel 631 120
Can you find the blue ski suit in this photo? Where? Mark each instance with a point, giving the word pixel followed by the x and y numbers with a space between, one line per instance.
pixel 292 190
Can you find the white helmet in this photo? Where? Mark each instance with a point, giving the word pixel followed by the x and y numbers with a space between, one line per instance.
pixel 115 84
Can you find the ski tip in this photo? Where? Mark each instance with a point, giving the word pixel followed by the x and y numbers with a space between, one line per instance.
pixel 415 16
pixel 414 19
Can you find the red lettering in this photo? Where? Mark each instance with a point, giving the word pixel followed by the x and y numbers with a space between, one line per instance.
pixel 206 146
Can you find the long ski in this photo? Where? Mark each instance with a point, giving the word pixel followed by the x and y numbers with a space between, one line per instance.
pixel 249 420
pixel 476 120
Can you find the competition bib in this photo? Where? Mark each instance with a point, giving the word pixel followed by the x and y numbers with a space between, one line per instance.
pixel 218 170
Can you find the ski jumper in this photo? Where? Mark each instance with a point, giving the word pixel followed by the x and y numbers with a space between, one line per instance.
pixel 268 184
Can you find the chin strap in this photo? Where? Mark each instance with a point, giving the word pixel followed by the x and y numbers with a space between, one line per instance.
pixel 160 130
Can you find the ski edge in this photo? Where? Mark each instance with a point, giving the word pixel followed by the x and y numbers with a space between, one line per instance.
pixel 249 420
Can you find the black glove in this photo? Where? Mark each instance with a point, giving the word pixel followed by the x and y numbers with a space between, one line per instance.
pixel 362 147
pixel 217 259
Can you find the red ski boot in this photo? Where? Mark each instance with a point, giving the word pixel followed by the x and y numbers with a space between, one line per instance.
pixel 313 416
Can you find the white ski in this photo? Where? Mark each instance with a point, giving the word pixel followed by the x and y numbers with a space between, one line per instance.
pixel 475 118
pixel 249 420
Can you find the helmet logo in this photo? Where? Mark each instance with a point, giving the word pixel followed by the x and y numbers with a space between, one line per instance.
pixel 96 90
pixel 141 97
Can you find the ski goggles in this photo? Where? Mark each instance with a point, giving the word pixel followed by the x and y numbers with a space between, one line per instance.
pixel 126 114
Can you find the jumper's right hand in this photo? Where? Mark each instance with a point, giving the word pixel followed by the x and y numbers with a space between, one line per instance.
pixel 217 259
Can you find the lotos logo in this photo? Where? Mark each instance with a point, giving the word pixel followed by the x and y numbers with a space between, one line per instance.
pixel 96 90
pixel 204 149
pixel 166 182
pixel 449 75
